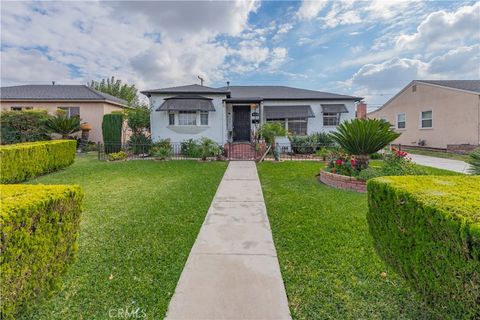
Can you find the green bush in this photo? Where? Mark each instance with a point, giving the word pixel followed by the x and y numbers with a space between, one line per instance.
pixel 474 161
pixel 161 149
pixel 376 156
pixel 23 161
pixel 428 230
pixel 39 240
pixel 23 126
pixel 117 156
pixel 311 143
pixel 191 148
pixel 112 125
pixel 209 148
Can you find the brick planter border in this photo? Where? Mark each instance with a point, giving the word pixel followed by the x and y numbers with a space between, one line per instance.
pixel 342 182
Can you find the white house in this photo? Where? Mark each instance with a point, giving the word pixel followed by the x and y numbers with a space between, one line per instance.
pixel 234 113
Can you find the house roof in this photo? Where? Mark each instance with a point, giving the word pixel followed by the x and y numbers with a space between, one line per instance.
pixel 284 93
pixel 192 88
pixel 467 85
pixel 57 92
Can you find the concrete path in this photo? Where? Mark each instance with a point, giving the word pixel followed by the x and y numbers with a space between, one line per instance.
pixel 232 271
pixel 447 164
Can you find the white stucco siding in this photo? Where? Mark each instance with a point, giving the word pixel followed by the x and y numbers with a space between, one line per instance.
pixel 161 129
pixel 316 124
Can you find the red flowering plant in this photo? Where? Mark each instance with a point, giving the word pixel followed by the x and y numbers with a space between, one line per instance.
pixel 343 164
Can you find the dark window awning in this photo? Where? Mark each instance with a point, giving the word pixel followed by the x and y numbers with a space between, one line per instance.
pixel 291 112
pixel 187 103
pixel 334 108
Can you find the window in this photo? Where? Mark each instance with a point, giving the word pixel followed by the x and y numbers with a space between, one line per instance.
pixel 20 108
pixel 171 119
pixel 71 111
pixel 204 118
pixel 297 127
pixel 187 118
pixel 414 88
pixel 427 119
pixel 331 119
pixel 401 121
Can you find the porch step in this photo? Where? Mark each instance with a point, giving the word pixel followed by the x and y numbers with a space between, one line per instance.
pixel 240 151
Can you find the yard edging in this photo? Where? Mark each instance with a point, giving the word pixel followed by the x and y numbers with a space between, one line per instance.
pixel 342 182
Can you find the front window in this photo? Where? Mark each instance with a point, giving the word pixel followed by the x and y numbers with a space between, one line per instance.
pixel 171 118
pixel 331 119
pixel 401 121
pixel 71 111
pixel 296 126
pixel 427 119
pixel 204 118
pixel 187 118
pixel 20 108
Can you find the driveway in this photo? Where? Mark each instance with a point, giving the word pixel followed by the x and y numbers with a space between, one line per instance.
pixel 440 163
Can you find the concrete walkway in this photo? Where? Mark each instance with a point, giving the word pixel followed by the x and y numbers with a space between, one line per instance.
pixel 447 164
pixel 232 271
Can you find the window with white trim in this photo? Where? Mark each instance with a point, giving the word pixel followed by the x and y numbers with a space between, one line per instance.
pixel 171 118
pixel 295 126
pixel 71 111
pixel 187 118
pixel 401 121
pixel 204 118
pixel 331 118
pixel 20 108
pixel 427 119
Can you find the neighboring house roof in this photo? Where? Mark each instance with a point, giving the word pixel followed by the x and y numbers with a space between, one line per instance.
pixel 193 88
pixel 467 85
pixel 187 103
pixel 472 86
pixel 284 93
pixel 255 93
pixel 57 92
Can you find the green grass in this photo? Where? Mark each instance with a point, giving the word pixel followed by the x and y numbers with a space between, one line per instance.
pixel 430 170
pixel 438 154
pixel 139 223
pixel 326 254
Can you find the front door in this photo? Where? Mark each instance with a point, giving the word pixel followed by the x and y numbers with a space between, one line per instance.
pixel 241 123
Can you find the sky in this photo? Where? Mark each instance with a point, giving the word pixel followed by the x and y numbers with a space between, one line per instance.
pixel 370 49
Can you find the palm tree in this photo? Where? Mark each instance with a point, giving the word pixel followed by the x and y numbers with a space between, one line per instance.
pixel 362 137
pixel 63 125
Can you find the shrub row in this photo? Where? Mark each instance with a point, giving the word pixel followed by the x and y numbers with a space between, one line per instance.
pixel 39 239
pixel 27 160
pixel 428 230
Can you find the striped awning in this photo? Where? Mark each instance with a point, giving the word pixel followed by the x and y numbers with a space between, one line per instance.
pixel 291 112
pixel 334 108
pixel 187 103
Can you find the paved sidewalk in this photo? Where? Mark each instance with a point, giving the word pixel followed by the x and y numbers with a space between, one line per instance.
pixel 232 271
pixel 447 164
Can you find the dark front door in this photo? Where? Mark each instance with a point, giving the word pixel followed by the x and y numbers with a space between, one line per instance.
pixel 241 123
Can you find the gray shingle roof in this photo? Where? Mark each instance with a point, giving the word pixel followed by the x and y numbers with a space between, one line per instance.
pixel 468 85
pixel 192 88
pixel 56 92
pixel 284 93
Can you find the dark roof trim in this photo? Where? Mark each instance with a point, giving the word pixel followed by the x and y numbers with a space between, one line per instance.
pixel 334 108
pixel 243 99
pixel 291 112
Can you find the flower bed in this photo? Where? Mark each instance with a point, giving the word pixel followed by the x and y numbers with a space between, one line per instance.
pixel 342 182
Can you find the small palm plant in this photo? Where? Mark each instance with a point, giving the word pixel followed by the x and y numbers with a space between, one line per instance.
pixel 362 137
pixel 63 125
pixel 269 131
pixel 209 148
pixel 474 162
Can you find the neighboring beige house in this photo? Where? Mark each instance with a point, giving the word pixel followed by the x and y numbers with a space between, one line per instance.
pixel 77 100
pixel 436 114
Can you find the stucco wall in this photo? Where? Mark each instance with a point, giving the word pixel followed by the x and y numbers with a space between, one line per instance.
pixel 91 112
pixel 456 116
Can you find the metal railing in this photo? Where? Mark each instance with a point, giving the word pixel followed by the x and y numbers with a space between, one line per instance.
pixel 229 151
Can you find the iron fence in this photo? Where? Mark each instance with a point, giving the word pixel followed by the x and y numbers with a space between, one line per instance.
pixel 229 151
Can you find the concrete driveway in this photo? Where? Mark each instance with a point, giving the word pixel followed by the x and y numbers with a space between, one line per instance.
pixel 440 163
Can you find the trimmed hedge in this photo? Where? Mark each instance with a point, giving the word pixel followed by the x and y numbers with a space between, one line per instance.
pixel 39 234
pixel 23 161
pixel 427 229
pixel 112 132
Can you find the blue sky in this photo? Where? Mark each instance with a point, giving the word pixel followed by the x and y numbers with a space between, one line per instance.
pixel 366 48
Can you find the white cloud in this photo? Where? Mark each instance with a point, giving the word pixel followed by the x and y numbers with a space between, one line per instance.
pixel 310 9
pixel 443 29
pixel 382 9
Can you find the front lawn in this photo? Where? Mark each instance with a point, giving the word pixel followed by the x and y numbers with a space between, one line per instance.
pixel 139 223
pixel 326 254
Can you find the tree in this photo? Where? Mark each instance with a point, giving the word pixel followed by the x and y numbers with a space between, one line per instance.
pixel 362 137
pixel 63 125
pixel 117 89
pixel 138 119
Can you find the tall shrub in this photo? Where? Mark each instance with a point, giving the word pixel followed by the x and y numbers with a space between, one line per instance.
pixel 474 162
pixel 39 240
pixel 23 126
pixel 112 132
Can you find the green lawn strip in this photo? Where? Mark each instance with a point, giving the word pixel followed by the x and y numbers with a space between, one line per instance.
pixel 327 259
pixel 438 154
pixel 139 223
pixel 430 170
